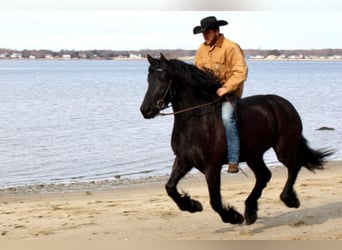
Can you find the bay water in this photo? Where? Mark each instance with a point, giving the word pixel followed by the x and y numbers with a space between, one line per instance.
pixel 76 121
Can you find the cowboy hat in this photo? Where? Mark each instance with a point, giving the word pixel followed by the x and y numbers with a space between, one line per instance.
pixel 209 23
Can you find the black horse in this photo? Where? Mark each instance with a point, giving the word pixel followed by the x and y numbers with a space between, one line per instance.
pixel 198 139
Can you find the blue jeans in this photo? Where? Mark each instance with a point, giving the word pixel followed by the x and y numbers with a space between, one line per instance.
pixel 232 134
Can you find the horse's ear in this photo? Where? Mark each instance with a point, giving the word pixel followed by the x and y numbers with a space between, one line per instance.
pixel 163 59
pixel 150 59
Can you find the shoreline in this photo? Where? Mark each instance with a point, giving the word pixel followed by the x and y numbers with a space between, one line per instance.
pixel 119 183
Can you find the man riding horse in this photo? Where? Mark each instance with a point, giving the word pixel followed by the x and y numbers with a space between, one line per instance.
pixel 227 61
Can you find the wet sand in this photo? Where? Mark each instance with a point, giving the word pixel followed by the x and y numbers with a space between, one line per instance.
pixel 140 209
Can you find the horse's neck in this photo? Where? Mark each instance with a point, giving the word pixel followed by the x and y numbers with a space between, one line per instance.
pixel 193 102
pixel 186 97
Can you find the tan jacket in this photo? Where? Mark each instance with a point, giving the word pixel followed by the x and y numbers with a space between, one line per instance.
pixel 226 59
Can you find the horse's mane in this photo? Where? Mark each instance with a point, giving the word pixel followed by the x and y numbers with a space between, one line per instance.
pixel 204 80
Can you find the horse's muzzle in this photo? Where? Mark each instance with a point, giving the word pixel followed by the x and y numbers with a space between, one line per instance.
pixel 148 112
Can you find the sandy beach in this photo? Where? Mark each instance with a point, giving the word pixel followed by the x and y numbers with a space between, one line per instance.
pixel 141 209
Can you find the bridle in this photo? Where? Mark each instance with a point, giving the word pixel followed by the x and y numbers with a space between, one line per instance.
pixel 161 102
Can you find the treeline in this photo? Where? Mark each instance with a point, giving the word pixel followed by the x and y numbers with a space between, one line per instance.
pixel 298 52
pixel 93 54
pixel 170 53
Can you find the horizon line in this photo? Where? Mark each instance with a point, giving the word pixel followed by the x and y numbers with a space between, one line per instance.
pixel 163 49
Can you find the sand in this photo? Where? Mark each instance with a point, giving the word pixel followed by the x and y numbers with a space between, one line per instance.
pixel 141 209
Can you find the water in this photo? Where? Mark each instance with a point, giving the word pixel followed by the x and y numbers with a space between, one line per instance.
pixel 74 121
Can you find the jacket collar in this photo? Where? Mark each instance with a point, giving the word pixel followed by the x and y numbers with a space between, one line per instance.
pixel 218 42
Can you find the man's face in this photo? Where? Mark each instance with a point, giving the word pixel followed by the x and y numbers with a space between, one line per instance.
pixel 210 36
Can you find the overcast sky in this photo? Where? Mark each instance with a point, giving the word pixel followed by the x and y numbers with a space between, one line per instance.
pixel 106 26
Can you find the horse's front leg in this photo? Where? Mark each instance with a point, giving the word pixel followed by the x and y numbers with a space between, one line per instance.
pixel 184 202
pixel 228 214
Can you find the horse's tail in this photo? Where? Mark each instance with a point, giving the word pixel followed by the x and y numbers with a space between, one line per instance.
pixel 312 159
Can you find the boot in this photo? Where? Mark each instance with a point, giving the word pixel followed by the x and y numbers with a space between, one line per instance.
pixel 233 168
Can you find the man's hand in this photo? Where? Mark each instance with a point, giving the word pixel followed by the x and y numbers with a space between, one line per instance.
pixel 221 91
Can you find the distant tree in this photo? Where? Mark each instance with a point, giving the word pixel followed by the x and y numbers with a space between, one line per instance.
pixel 169 53
pixel 273 52
pixel 26 53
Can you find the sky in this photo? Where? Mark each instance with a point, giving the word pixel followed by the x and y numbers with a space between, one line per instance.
pixel 84 25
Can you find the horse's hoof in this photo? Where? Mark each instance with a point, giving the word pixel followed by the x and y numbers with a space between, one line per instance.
pixel 292 201
pixel 191 206
pixel 251 218
pixel 295 203
pixel 239 219
pixel 232 217
pixel 195 206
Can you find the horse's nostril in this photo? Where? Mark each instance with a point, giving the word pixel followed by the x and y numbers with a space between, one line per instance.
pixel 147 112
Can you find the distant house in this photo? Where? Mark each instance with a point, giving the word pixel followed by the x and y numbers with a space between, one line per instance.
pixel 335 57
pixel 296 57
pixel 257 57
pixel 49 57
pixel 134 56
pixel 66 57
pixel 82 55
pixel 3 55
pixel 16 55
pixel 271 57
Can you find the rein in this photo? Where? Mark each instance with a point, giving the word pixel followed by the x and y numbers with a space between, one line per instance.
pixel 189 109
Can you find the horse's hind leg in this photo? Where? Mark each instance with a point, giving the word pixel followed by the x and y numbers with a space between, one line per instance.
pixel 287 154
pixel 262 175
pixel 288 195
pixel 179 170
pixel 228 214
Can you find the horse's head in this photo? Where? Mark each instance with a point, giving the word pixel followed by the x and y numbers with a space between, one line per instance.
pixel 157 95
